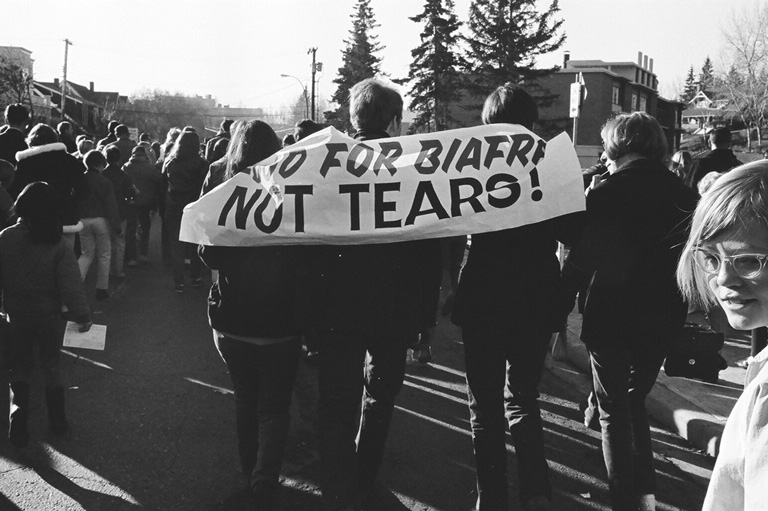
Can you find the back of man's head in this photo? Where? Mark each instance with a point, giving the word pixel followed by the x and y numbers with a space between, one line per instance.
pixel 720 137
pixel 226 125
pixel 16 114
pixel 63 127
pixel 122 131
pixel 373 105
pixel 112 125
pixel 113 154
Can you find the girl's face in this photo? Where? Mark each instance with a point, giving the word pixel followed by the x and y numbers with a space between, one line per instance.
pixel 744 299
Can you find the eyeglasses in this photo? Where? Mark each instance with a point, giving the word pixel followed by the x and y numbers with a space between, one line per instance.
pixel 747 266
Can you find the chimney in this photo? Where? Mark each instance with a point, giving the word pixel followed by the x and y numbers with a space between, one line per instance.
pixel 566 58
pixel 91 86
pixel 639 59
pixel 56 82
pixel 651 64
pixel 645 61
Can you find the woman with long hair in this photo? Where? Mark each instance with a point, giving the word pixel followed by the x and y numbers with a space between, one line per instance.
pixel 185 171
pixel 250 309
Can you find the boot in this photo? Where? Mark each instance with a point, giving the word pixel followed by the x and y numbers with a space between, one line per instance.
pixel 17 431
pixel 57 418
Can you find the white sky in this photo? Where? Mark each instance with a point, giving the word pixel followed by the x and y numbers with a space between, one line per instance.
pixel 236 50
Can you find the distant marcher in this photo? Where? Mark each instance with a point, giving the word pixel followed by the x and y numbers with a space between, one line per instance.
pixel 223 133
pixel 185 172
pixel 111 137
pixel 251 312
pixel 288 140
pixel 719 159
pixel 12 140
pixel 165 243
pixel 100 218
pixel 124 143
pixel 305 128
pixel 509 301
pixel 148 182
pixel 156 149
pixel 39 274
pixel 636 225
pixel 681 164
pixel 723 264
pixel 47 160
pixel 67 136
pixel 84 146
pixel 124 195
pixel 146 143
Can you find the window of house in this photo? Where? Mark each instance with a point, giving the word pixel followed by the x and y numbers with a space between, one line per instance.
pixel 634 101
pixel 615 96
pixel 643 103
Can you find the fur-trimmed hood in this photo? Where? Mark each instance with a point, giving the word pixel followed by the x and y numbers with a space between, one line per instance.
pixel 40 149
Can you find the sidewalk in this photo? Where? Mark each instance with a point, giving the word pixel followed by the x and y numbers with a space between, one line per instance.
pixel 693 409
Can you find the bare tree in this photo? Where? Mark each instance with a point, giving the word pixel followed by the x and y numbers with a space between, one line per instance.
pixel 745 82
pixel 15 81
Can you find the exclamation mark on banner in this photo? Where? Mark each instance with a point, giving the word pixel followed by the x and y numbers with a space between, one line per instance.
pixel 537 194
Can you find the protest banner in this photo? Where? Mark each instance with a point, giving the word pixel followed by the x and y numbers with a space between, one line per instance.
pixel 333 189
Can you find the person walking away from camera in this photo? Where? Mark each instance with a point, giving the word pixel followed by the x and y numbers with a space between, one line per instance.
pixel 47 160
pixel 146 142
pixel 38 273
pixel 100 218
pixel 124 195
pixel 251 312
pixel 12 140
pixel 509 301
pixel 147 181
pixel 222 134
pixel 723 263
pixel 165 151
pixel 719 159
pixel 111 138
pixel 185 172
pixel 636 225
pixel 364 304
pixel 123 142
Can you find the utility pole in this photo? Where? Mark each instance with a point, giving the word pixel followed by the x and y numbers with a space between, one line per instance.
pixel 67 44
pixel 313 51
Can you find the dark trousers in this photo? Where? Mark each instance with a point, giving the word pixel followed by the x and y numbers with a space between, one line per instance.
pixel 29 333
pixel 263 379
pixel 138 220
pixel 352 445
pixel 623 374
pixel 178 248
pixel 503 375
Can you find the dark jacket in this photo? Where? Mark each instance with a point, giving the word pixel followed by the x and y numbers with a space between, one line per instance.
pixel 370 290
pixel 255 293
pixel 126 146
pixel 716 160
pixel 637 222
pixel 51 163
pixel 123 188
pixel 512 278
pixel 185 179
pixel 100 202
pixel 215 176
pixel 147 180
pixel 11 142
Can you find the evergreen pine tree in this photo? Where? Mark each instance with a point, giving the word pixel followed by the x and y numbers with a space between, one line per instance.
pixel 505 38
pixel 433 74
pixel 690 87
pixel 359 62
pixel 707 77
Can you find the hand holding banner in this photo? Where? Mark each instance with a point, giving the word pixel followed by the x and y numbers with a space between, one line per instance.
pixel 333 189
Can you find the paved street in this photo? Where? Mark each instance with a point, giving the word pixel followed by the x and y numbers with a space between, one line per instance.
pixel 153 426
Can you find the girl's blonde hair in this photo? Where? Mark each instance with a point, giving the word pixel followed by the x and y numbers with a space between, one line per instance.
pixel 736 200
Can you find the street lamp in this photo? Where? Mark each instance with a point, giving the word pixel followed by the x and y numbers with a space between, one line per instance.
pixel 304 90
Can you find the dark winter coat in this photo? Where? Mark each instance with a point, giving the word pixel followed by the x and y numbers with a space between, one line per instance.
pixel 11 142
pixel 51 163
pixel 716 160
pixel 637 222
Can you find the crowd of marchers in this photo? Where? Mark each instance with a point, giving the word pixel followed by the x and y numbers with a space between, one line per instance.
pixel 660 237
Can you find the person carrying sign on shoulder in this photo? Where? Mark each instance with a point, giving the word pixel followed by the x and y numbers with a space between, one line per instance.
pixel 364 303
pixel 509 301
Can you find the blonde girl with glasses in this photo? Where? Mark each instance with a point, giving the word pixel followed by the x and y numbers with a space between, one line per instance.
pixel 724 263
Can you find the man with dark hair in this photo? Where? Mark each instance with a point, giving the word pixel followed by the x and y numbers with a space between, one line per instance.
pixel 124 143
pixel 719 159
pixel 12 140
pixel 111 137
pixel 223 133
pixel 65 135
pixel 305 128
pixel 365 303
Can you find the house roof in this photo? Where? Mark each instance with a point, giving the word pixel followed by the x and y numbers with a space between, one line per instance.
pixel 84 94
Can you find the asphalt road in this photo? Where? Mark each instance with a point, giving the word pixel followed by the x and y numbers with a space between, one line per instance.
pixel 153 426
